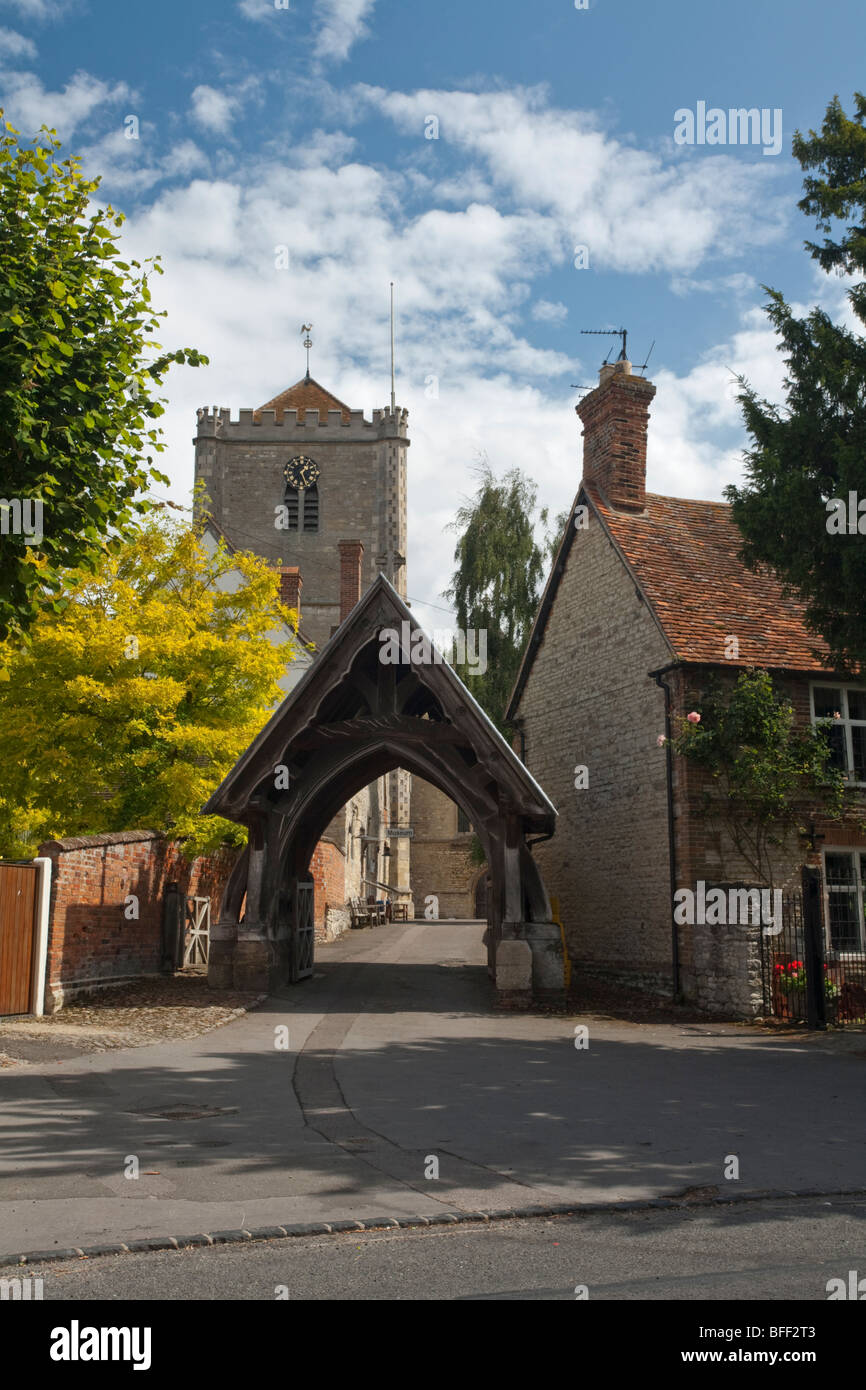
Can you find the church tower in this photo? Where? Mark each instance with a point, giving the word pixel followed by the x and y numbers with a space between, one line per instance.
pixel 304 480
pixel 312 486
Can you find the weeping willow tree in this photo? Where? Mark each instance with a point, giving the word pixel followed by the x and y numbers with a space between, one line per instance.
pixel 495 586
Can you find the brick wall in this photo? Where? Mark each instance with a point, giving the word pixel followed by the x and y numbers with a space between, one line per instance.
pixel 328 868
pixel 615 417
pixel 351 560
pixel 91 942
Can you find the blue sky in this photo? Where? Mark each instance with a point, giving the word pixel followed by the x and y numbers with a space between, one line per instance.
pixel 304 128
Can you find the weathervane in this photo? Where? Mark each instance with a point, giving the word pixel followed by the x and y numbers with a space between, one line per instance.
pixel 308 343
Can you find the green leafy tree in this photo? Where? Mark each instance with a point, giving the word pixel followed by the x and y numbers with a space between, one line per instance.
pixel 78 374
pixel 128 707
pixel 495 586
pixel 766 775
pixel 813 450
pixel 553 540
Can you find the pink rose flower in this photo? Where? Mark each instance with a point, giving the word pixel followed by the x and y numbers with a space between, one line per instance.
pixel 661 741
pixel 694 717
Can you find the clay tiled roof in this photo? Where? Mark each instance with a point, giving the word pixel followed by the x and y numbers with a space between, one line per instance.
pixel 684 555
pixel 306 394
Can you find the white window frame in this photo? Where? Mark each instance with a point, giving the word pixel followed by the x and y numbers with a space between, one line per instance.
pixel 860 880
pixel 845 721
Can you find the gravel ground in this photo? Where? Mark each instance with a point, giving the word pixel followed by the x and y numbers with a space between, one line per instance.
pixel 147 1011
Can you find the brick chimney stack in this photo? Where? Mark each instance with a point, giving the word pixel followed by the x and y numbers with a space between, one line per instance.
pixel 614 418
pixel 351 553
pixel 290 587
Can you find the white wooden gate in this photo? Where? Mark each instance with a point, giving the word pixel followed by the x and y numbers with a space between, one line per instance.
pixel 302 941
pixel 197 940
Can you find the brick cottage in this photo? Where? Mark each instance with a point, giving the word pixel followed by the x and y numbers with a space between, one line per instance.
pixel 644 597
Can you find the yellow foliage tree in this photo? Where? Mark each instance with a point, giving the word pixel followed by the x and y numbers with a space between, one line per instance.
pixel 129 706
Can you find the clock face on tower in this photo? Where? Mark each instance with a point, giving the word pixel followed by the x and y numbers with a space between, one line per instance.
pixel 301 471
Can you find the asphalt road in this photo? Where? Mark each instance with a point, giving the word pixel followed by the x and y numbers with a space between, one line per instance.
pixel 771 1251
pixel 402 1092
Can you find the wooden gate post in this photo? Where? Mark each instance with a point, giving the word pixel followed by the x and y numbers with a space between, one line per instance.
pixel 813 933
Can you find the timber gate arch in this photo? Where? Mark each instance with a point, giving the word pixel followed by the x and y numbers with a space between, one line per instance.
pixel 378 698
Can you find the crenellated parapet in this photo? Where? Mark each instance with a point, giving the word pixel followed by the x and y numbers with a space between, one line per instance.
pixel 265 425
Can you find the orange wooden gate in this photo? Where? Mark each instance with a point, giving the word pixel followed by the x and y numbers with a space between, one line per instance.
pixel 18 897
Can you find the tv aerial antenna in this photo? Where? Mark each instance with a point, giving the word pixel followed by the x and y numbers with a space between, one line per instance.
pixel 621 333
pixel 607 333
pixel 603 332
pixel 643 366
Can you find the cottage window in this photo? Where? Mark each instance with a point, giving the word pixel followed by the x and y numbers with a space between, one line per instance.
pixel 845 883
pixel 845 705
pixel 463 822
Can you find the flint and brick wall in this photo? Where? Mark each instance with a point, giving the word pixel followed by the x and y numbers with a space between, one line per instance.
pixel 91 943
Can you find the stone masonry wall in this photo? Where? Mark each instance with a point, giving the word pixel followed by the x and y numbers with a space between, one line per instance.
pixel 589 701
pixel 361 491
pixel 441 866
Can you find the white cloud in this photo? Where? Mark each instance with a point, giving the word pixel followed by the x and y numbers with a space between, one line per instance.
pixel 212 110
pixel 468 187
pixel 738 284
pixel 324 147
pixel 129 166
pixel 341 26
pixel 462 279
pixel 472 382
pixel 37 9
pixel 546 311
pixel 634 209
pixel 13 45
pixel 28 105
pixel 468 366
pixel 257 9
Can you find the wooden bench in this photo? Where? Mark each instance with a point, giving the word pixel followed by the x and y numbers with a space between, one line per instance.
pixel 361 915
